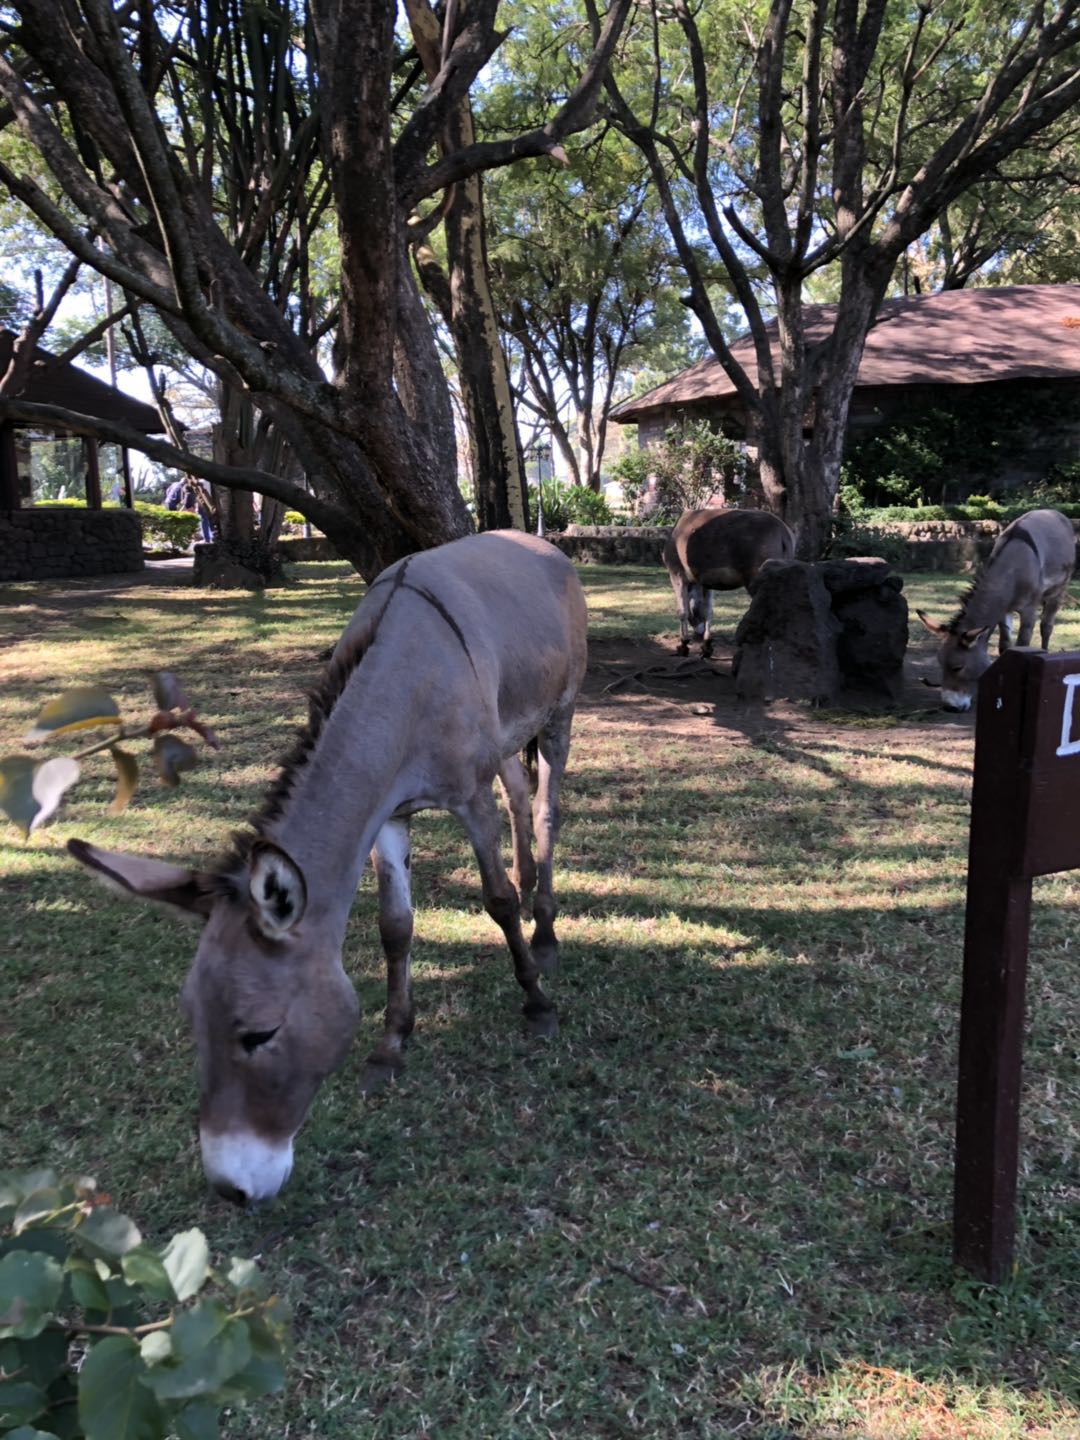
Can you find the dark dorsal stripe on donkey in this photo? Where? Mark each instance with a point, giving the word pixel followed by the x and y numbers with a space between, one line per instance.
pixel 716 549
pixel 1030 566
pixel 457 660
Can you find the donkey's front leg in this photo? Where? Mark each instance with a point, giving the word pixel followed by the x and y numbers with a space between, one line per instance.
pixel 481 819
pixel 390 857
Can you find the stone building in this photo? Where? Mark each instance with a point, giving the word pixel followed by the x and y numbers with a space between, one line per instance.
pixel 39 540
pixel 1017 340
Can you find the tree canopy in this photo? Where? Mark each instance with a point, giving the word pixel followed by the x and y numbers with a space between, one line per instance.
pixel 130 110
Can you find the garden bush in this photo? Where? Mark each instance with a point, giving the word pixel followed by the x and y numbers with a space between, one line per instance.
pixel 569 505
pixel 685 471
pixel 935 453
pixel 166 529
pixel 103 1336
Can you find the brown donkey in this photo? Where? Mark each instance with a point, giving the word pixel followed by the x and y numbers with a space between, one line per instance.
pixel 456 660
pixel 716 549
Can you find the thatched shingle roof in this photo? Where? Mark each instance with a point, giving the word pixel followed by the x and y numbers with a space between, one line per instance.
pixel 957 337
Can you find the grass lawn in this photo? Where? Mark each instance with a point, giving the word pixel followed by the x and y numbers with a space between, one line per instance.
pixel 718 1204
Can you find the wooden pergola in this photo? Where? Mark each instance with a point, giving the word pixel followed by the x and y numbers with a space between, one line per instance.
pixel 57 382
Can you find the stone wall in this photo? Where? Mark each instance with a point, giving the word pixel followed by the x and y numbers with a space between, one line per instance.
pixel 41 543
pixel 951 546
pixel 613 544
pixel 302 547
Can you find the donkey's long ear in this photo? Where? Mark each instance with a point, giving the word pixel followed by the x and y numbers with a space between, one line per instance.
pixel 934 626
pixel 133 875
pixel 278 890
pixel 970 638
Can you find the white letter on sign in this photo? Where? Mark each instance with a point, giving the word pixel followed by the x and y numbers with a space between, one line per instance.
pixel 1068 746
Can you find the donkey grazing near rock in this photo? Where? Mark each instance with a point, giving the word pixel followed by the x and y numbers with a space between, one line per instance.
pixel 456 660
pixel 1030 565
pixel 716 549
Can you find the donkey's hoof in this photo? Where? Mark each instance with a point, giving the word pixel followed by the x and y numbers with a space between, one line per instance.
pixel 541 1024
pixel 376 1075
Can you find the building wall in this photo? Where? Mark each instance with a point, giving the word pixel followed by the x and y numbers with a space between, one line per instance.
pixel 46 544
pixel 1054 440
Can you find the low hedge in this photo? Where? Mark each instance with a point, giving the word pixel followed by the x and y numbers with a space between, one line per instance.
pixel 974 509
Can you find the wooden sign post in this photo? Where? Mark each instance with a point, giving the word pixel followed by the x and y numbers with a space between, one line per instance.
pixel 1025 821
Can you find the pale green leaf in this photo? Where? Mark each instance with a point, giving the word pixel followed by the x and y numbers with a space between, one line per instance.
pixel 85 707
pixel 156 1347
pixel 127 779
pixel 50 781
pixel 186 1260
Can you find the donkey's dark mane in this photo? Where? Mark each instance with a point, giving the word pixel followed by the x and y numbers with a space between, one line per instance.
pixel 956 624
pixel 322 698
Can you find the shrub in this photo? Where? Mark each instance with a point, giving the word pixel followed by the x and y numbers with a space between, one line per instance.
pixel 867 540
pixel 686 470
pixel 587 507
pixel 166 529
pixel 104 1336
pixel 568 505
pixel 932 453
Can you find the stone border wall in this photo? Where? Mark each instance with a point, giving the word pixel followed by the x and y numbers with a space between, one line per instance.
pixel 41 543
pixel 950 546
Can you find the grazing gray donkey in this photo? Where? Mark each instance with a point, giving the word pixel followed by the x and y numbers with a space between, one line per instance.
pixel 711 550
pixel 456 660
pixel 1030 565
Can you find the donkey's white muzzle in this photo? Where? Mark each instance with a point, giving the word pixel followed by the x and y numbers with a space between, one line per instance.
pixel 955 699
pixel 244 1167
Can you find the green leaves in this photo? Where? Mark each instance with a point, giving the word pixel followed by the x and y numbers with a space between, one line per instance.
pixel 106 1234
pixel 127 779
pixel 30 1286
pixel 86 707
pixel 31 790
pixel 162 1339
pixel 186 1260
pixel 114 1404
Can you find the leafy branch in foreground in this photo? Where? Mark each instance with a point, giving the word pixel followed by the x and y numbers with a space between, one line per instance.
pixel 31 790
pixel 79 1356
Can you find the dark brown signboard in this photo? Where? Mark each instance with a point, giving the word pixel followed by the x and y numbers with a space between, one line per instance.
pixel 1025 821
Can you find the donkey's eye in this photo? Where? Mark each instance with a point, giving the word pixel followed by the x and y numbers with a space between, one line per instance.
pixel 254 1038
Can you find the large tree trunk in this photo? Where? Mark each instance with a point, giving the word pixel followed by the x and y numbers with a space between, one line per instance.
pixel 465 301
pixel 497 469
